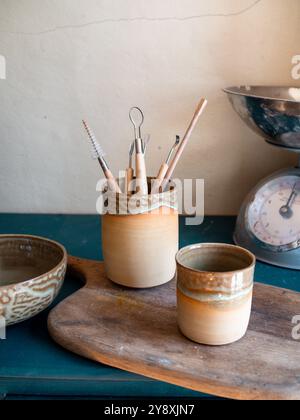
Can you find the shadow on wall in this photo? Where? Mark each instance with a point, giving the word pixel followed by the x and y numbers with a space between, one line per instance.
pixel 2 67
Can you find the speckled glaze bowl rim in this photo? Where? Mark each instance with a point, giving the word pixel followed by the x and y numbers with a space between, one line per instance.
pixel 214 245
pixel 233 90
pixel 42 239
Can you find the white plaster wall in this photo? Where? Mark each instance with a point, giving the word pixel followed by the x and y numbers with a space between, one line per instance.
pixel 69 59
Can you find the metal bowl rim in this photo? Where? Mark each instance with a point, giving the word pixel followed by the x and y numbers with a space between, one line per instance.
pixel 233 91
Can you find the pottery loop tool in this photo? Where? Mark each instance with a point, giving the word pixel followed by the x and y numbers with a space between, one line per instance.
pixel 99 154
pixel 164 167
pixel 200 109
pixel 130 171
pixel 137 118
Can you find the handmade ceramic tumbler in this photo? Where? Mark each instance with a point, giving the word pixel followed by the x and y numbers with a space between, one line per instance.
pixel 214 292
pixel 140 246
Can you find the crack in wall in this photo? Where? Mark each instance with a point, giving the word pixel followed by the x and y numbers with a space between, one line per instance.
pixel 139 19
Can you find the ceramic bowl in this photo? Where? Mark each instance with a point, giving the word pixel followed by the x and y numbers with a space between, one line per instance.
pixel 32 272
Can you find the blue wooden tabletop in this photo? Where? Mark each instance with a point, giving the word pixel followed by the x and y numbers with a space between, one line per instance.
pixel 32 364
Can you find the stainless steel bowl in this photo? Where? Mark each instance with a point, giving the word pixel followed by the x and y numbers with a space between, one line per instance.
pixel 272 112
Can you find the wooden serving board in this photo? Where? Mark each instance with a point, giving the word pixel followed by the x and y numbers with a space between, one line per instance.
pixel 137 331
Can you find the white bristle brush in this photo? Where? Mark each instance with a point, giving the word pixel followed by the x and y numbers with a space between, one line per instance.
pixel 99 154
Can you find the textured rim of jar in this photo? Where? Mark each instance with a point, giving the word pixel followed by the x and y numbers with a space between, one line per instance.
pixel 147 203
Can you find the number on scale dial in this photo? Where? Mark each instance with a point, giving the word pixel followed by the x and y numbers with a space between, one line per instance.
pixel 274 215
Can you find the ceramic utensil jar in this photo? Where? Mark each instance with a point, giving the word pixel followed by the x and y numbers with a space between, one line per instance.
pixel 214 292
pixel 140 246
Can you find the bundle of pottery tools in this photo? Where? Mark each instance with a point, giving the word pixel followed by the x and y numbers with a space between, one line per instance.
pixel 138 178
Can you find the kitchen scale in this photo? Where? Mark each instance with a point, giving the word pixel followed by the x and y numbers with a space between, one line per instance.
pixel 269 220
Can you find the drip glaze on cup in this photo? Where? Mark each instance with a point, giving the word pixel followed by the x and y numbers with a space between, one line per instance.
pixel 214 292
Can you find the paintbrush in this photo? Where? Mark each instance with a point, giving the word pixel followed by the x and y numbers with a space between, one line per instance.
pixel 99 154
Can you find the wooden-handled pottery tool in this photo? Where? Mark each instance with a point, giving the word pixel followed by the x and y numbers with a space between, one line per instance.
pixel 99 154
pixel 130 171
pixel 202 105
pixel 137 118
pixel 164 168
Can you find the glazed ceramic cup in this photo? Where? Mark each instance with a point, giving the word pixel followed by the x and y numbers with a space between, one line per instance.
pixel 214 292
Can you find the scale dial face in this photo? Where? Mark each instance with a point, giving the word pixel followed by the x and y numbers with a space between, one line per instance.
pixel 274 215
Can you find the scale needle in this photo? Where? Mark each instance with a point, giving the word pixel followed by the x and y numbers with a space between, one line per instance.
pixel 286 211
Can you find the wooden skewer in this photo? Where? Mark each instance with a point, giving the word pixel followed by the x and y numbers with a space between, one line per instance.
pixel 200 108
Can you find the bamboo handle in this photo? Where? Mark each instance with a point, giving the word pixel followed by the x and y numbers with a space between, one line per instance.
pixel 112 182
pixel 160 177
pixel 201 107
pixel 128 181
pixel 141 175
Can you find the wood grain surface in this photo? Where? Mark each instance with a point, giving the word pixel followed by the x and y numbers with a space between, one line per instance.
pixel 137 331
